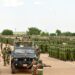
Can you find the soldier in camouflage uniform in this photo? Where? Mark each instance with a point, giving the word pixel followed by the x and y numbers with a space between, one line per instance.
pixel 8 54
pixel 4 53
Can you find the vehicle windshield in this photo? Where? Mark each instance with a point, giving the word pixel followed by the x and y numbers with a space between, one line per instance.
pixel 19 51
pixel 28 51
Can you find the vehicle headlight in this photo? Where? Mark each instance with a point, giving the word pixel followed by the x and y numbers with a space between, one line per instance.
pixel 25 59
pixel 16 59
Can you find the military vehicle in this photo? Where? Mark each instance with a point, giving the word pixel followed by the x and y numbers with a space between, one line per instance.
pixel 22 56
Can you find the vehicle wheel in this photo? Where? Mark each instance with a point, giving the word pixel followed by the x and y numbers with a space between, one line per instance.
pixel 13 69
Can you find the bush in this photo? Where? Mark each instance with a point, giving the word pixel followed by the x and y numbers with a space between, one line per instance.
pixel 7 32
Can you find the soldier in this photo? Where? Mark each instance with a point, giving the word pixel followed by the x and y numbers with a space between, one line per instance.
pixel 8 54
pixel 4 53
pixel 39 65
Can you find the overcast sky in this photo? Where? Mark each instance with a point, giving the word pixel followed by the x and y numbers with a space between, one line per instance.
pixel 47 15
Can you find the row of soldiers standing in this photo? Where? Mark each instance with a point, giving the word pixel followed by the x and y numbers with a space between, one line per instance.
pixel 6 51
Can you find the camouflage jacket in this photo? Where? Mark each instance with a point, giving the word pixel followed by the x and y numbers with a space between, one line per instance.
pixel 5 51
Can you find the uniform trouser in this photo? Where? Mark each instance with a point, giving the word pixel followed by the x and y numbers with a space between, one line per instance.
pixel 8 59
pixel 4 60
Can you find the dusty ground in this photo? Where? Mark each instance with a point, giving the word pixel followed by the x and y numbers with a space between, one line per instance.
pixel 58 67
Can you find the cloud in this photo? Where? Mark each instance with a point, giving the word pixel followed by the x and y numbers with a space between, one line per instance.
pixel 12 3
pixel 38 3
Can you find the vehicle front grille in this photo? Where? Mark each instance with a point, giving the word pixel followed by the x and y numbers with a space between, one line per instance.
pixel 25 60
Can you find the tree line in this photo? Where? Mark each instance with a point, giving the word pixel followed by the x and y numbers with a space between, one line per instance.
pixel 36 31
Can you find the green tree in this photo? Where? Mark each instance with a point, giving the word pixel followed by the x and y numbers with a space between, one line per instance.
pixel 52 34
pixel 58 32
pixel 67 34
pixel 7 32
pixel 33 31
pixel 73 34
pixel 44 34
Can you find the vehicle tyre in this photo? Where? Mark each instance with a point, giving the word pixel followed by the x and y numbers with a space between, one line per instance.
pixel 13 69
